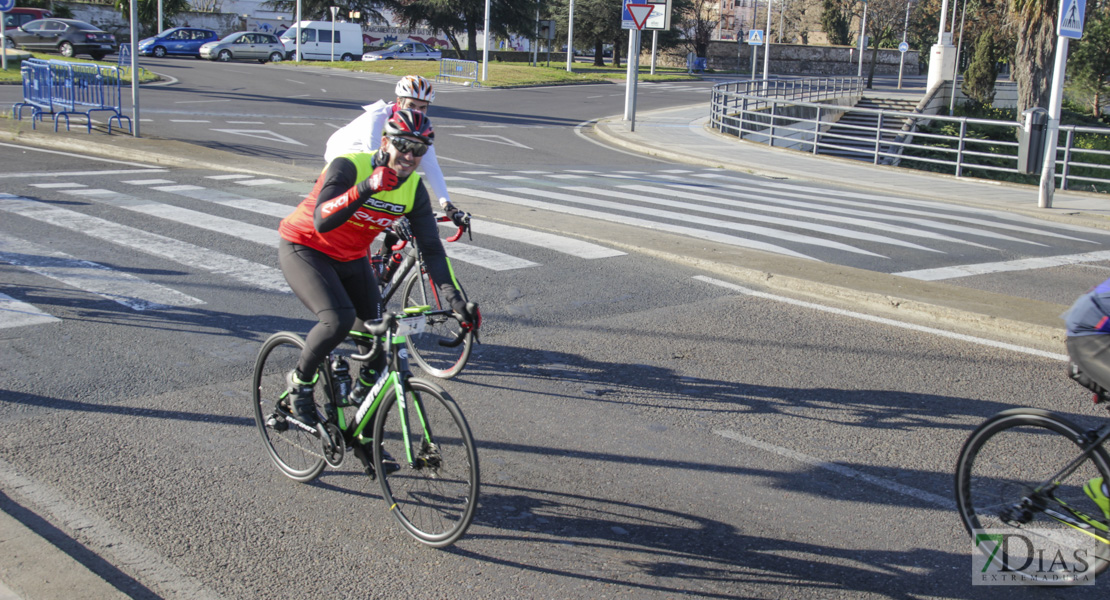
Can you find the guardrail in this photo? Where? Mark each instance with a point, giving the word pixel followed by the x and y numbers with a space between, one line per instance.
pixel 451 69
pixel 800 115
pixel 61 89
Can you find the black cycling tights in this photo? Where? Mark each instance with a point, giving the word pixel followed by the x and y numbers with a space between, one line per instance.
pixel 340 294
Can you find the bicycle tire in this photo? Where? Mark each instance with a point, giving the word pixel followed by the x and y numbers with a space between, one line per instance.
pixel 1011 454
pixel 296 452
pixel 434 497
pixel 435 358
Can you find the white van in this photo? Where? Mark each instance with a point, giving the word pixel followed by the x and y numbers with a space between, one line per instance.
pixel 316 41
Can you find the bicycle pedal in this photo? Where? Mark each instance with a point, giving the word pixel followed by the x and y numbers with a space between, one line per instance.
pixel 277 423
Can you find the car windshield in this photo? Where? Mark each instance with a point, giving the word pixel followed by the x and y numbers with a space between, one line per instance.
pixel 289 34
pixel 395 48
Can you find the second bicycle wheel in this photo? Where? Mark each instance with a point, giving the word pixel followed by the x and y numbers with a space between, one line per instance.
pixel 295 451
pixel 443 349
pixel 1002 466
pixel 434 492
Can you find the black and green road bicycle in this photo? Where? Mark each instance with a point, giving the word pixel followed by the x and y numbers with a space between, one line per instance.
pixel 443 348
pixel 1024 471
pixel 409 434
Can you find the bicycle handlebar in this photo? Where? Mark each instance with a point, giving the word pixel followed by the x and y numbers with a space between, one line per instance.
pixel 464 227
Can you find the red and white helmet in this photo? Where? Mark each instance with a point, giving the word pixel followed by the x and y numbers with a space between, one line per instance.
pixel 416 87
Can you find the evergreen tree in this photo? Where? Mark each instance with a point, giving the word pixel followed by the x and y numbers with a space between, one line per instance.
pixel 982 72
pixel 1089 64
pixel 836 22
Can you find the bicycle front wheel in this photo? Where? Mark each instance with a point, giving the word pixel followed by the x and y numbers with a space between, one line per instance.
pixel 295 451
pixel 444 347
pixel 434 492
pixel 1013 474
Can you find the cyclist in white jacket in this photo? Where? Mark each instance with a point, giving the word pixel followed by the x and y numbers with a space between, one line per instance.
pixel 364 134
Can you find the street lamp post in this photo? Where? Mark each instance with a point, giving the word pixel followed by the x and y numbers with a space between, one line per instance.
pixel 862 38
pixel 334 10
pixel 905 29
pixel 570 38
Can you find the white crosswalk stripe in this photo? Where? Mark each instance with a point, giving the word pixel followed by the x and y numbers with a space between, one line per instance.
pixel 203 259
pixel 14 313
pixel 557 243
pixel 131 291
pixel 267 236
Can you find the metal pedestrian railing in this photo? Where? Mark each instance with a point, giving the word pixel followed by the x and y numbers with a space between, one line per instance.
pixel 451 69
pixel 60 89
pixel 800 115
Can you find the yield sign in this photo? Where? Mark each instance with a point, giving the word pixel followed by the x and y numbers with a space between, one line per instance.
pixel 640 13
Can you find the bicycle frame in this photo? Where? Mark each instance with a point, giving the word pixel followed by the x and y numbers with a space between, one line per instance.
pixel 395 378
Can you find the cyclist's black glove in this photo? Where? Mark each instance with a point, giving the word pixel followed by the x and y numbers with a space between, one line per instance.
pixel 471 316
pixel 457 216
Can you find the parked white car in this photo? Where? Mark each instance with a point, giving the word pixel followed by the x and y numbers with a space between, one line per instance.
pixel 404 51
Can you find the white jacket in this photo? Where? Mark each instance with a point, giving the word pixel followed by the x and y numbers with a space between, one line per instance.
pixel 364 134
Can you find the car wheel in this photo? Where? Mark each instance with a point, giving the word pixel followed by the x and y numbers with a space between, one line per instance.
pixel 224 56
pixel 348 58
pixel 98 56
pixel 276 57
pixel 159 52
pixel 65 49
pixel 12 44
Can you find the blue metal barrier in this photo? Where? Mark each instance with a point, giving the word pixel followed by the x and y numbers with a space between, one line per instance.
pixel 451 69
pixel 61 89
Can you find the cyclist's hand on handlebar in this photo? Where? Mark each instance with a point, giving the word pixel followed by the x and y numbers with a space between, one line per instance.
pixel 383 179
pixel 471 316
pixel 458 217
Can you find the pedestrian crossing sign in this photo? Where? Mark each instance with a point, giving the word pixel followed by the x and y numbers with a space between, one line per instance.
pixel 1072 13
pixel 755 37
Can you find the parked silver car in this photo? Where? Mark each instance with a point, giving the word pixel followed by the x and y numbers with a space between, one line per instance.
pixel 404 51
pixel 248 45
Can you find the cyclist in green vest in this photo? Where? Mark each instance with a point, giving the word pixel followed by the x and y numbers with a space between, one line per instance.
pixel 325 242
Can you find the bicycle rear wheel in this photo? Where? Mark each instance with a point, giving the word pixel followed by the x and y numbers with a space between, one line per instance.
pixel 433 495
pixel 444 347
pixel 1009 477
pixel 295 451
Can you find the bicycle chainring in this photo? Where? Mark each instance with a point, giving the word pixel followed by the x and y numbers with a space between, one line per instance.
pixel 333 445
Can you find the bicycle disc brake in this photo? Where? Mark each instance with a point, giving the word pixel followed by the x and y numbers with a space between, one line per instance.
pixel 333 446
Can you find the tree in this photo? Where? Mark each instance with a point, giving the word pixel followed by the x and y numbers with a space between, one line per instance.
pixel 148 12
pixel 836 22
pixel 467 17
pixel 319 10
pixel 1035 28
pixel 1089 64
pixel 596 23
pixel 983 71
pixel 697 24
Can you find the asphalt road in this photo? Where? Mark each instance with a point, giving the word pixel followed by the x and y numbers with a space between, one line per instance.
pixel 646 430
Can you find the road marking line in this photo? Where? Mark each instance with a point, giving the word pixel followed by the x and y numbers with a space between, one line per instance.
pixel 79 173
pixel 483 257
pixel 148 181
pixel 882 320
pixel 542 239
pixel 841 470
pixel 57 186
pixel 144 565
pixel 753 215
pixel 229 176
pixel 131 291
pixel 1023 264
pixel 189 121
pixel 245 271
pixel 265 236
pixel 686 218
pixel 259 181
pixel 177 188
pixel 14 313
pixel 81 156
pixel 699 234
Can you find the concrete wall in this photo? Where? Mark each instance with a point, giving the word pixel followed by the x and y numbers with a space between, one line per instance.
pixel 796 59
pixel 109 19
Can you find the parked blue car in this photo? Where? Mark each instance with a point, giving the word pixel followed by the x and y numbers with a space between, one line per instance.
pixel 181 41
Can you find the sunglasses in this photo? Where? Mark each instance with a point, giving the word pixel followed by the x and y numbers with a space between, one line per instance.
pixel 404 146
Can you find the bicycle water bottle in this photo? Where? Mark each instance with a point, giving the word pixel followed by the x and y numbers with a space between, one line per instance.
pixel 342 377
pixel 394 262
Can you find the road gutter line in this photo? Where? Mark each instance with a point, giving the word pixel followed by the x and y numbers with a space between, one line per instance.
pixel 850 473
pixel 882 320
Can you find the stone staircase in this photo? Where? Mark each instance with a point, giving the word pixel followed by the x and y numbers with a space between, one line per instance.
pixel 854 133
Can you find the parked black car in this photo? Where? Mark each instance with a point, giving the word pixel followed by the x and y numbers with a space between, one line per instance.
pixel 67 37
